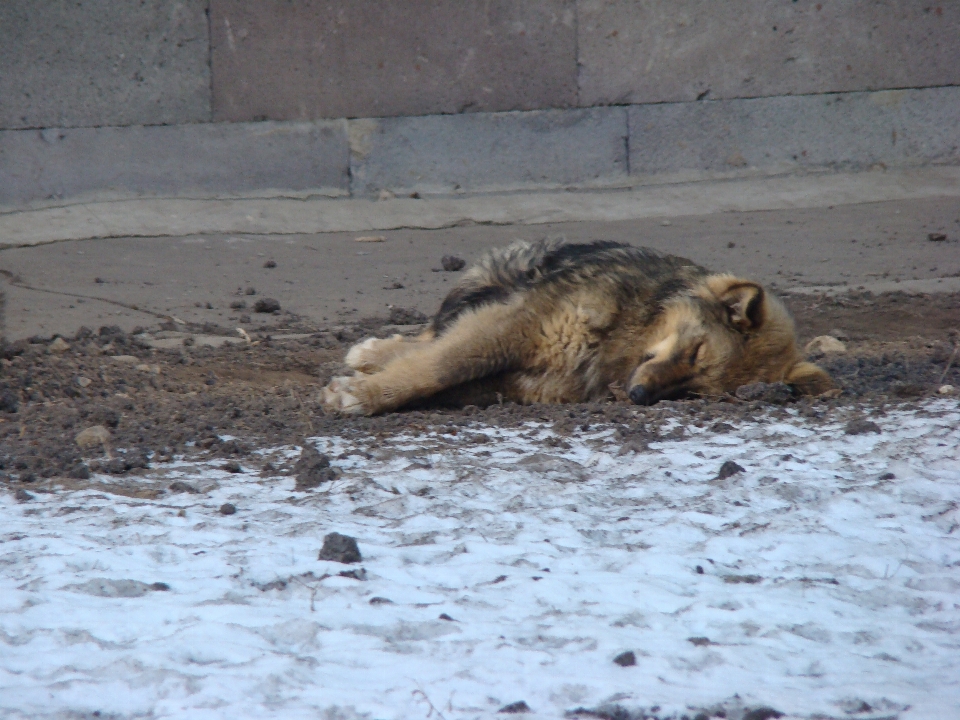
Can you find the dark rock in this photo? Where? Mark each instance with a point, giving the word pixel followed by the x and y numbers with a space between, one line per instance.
pixel 360 574
pixel 722 427
pixel 729 468
pixel 515 708
pixel 80 471
pixel 232 466
pixel 181 487
pixel 626 659
pixel 773 393
pixel 238 305
pixel 340 548
pixel 160 587
pixel 116 466
pixel 451 263
pixel 312 469
pixel 228 509
pixel 250 291
pixel 762 713
pixel 270 264
pixel 699 569
pixel 699 641
pixel 381 601
pixel 936 237
pixel 22 495
pixel 861 427
pixel 444 616
pixel 406 316
pixel 9 401
pixel 266 305
pixel 908 390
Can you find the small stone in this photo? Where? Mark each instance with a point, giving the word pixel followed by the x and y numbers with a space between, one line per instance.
pixel 312 469
pixel 936 237
pixel 160 587
pixel 946 390
pixel 340 548
pixel 515 708
pixel 250 291
pixel 22 495
pixel 270 264
pixel 181 487
pixel 861 427
pixel 232 466
pixel 94 435
pixel 626 659
pixel 360 574
pixel 908 390
pixel 371 238
pixel 228 509
pixel 9 401
pixel 58 346
pixel 825 344
pixel 381 601
pixel 83 381
pixel 729 468
pixel 451 263
pixel 699 641
pixel 80 471
pixel 444 616
pixel 238 305
pixel 774 393
pixel 762 713
pixel 266 305
pixel 245 319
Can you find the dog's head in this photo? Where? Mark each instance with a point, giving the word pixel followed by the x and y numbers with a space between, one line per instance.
pixel 725 332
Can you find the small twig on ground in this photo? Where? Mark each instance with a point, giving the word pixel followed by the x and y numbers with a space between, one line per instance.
pixel 432 709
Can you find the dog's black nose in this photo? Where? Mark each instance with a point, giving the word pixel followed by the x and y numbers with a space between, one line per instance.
pixel 640 396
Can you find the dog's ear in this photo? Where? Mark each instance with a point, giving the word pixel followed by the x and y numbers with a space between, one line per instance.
pixel 809 379
pixel 744 303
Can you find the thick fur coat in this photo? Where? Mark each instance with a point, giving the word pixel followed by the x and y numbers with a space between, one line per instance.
pixel 549 322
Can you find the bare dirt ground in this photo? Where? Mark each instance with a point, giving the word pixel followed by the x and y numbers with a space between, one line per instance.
pixel 174 392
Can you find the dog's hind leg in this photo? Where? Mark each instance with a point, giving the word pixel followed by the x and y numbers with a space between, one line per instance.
pixel 373 354
pixel 480 343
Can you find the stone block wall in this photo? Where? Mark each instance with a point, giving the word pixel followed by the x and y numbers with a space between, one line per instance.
pixel 227 97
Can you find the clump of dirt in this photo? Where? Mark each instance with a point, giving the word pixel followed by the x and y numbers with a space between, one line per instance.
pixel 193 399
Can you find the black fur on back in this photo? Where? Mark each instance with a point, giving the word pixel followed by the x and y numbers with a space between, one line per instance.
pixel 635 272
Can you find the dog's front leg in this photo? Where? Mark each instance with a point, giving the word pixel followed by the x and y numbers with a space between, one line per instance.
pixel 480 343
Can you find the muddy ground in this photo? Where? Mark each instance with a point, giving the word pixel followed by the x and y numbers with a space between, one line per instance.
pixel 173 392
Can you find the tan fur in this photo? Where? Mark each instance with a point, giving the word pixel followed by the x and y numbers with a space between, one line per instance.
pixel 568 340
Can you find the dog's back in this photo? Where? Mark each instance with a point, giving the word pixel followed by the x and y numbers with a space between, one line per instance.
pixel 631 274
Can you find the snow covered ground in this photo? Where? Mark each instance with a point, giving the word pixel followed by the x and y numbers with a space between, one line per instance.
pixel 824 580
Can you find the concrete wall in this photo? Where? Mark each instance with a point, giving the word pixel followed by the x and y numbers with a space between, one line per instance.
pixel 483 95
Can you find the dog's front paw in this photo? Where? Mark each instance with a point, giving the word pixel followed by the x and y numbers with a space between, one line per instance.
pixel 346 395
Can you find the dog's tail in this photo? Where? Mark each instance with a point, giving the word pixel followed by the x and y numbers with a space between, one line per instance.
pixel 512 266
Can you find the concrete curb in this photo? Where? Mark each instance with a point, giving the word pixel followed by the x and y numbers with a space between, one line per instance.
pixel 285 216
